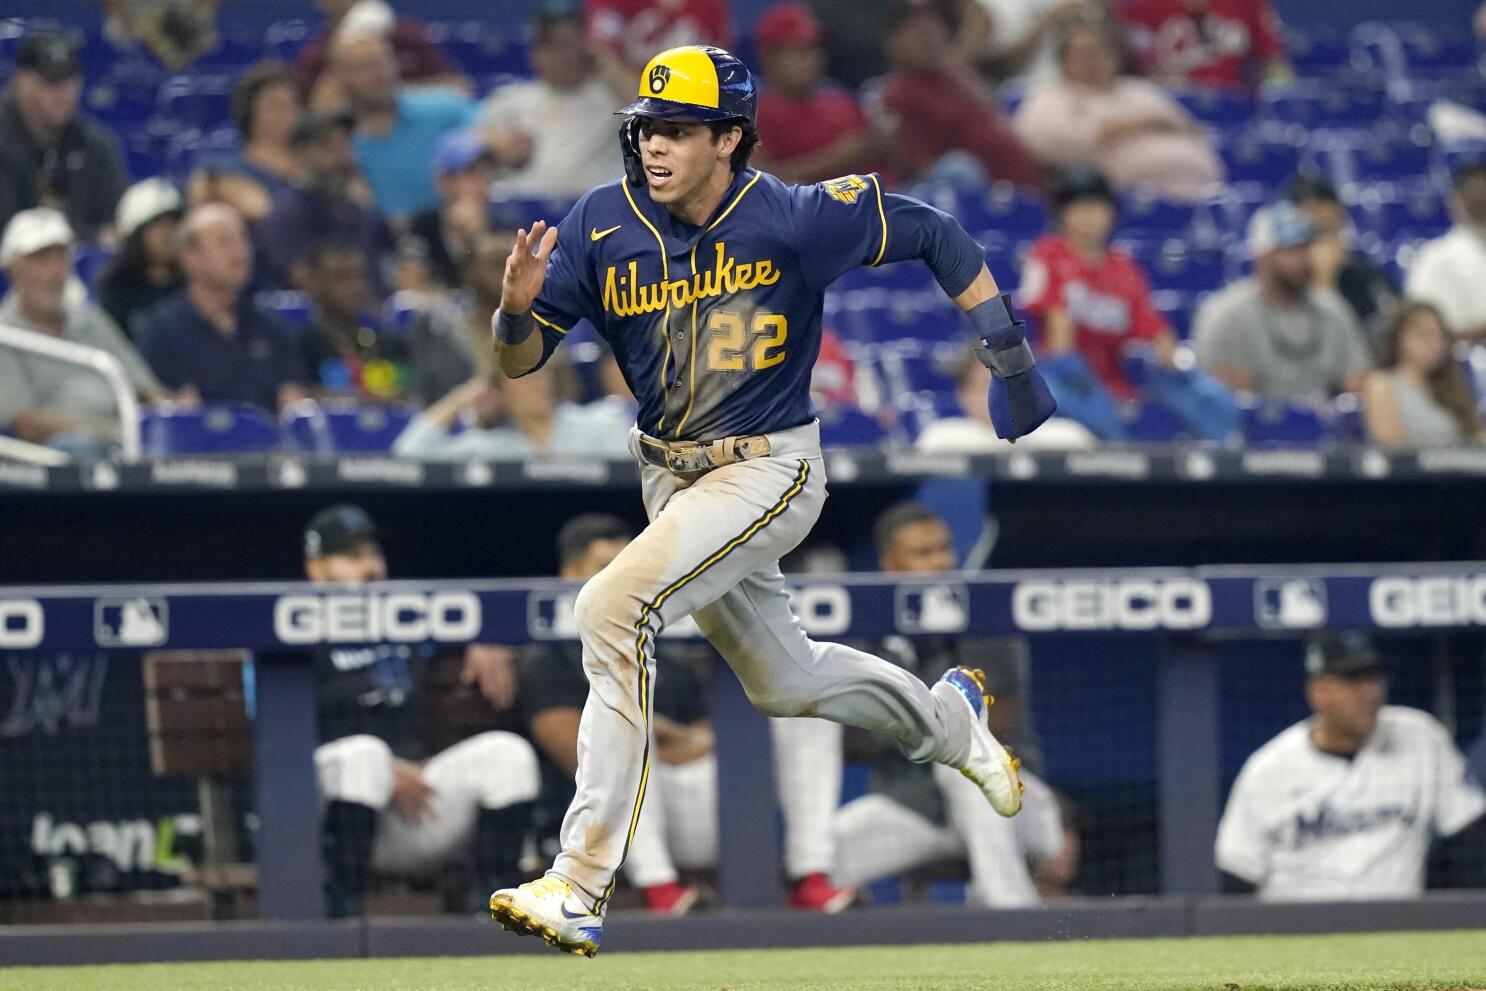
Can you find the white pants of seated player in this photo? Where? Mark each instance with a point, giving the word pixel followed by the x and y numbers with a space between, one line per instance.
pixel 489 771
pixel 678 822
pixel 712 551
pixel 878 838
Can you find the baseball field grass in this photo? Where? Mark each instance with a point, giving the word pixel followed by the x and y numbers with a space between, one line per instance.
pixel 1374 962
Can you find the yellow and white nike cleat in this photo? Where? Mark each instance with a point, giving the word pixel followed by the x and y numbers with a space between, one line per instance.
pixel 990 765
pixel 547 907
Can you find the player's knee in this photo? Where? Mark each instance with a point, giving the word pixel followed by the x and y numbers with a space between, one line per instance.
pixel 604 611
pixel 769 700
pixel 356 769
pixel 512 771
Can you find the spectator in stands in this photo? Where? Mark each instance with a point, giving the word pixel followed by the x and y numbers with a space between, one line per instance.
pixel 1227 43
pixel 1338 266
pixel 917 815
pixel 443 237
pixel 1094 307
pixel 328 203
pixel 1128 128
pixel 971 432
pixel 1419 395
pixel 265 107
pixel 553 135
pixel 948 125
pixel 348 353
pixel 809 129
pixel 211 337
pixel 50 155
pixel 516 419
pixel 466 316
pixel 395 125
pixel 627 34
pixel 1347 803
pixel 419 61
pixel 1019 37
pixel 45 401
pixel 678 824
pixel 147 268
pixel 1447 271
pixel 396 800
pixel 1275 333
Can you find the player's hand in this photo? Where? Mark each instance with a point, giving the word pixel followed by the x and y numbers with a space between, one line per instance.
pixel 491 667
pixel 525 270
pixel 412 795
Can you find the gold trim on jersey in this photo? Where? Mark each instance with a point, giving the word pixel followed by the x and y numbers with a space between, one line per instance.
pixel 883 214
pixel 665 274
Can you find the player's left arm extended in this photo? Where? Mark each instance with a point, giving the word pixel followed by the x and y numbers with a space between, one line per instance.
pixel 1019 398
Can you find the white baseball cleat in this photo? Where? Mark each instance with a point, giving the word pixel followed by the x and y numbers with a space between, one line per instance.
pixel 990 765
pixel 548 908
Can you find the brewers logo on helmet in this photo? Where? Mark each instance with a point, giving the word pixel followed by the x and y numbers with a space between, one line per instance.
pixel 691 83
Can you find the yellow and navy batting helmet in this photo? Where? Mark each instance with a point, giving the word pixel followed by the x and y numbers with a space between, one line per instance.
pixel 695 82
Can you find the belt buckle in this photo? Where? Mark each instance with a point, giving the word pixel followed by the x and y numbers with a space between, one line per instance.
pixel 691 460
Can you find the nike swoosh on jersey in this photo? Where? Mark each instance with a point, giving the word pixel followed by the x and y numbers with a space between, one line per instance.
pixel 598 235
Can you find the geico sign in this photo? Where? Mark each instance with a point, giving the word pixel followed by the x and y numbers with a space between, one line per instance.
pixel 1453 600
pixel 1137 604
pixel 394 617
pixel 823 610
pixel 22 624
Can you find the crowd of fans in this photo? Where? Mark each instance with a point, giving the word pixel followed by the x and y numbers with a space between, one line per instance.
pixel 349 247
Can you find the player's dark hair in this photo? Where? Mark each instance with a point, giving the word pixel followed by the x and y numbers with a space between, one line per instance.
pixel 250 86
pixel 1446 382
pixel 895 518
pixel 581 532
pixel 746 143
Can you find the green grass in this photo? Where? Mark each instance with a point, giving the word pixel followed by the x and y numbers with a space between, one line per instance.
pixel 1374 962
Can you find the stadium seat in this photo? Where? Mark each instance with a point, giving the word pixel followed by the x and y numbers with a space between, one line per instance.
pixel 200 101
pixel 292 307
pixel 1322 55
pixel 344 428
pixel 1177 307
pixel 1146 216
pixel 514 212
pixel 1150 423
pixel 1003 208
pixel 1173 264
pixel 843 427
pixel 1406 214
pixel 1254 159
pixel 1217 107
pixel 1314 106
pixel 1433 53
pixel 283 39
pixel 402 310
pixel 1276 423
pixel 478 48
pixel 208 430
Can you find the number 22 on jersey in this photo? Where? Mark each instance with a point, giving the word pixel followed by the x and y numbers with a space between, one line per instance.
pixel 729 348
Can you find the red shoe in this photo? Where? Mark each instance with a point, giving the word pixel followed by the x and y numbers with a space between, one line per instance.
pixel 816 893
pixel 671 898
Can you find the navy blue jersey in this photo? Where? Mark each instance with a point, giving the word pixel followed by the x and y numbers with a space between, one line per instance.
pixel 716 328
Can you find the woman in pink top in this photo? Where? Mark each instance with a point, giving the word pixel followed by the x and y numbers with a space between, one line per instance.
pixel 1127 128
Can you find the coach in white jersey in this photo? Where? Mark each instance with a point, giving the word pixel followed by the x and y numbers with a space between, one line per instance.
pixel 1346 804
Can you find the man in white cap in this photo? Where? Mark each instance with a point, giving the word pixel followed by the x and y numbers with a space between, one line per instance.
pixel 42 400
pixel 1275 334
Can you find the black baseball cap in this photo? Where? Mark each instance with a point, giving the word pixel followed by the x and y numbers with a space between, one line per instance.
pixel 338 529
pixel 313 125
pixel 53 56
pixel 1347 654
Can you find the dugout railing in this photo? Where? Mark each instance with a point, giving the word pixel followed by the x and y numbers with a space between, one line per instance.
pixel 1183 616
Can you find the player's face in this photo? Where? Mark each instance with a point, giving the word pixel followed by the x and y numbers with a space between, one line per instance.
pixel 680 159
pixel 1349 705
pixel 595 558
pixel 1088 222
pixel 363 563
pixel 921 546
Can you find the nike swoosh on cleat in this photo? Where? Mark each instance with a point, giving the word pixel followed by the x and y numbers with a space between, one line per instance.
pixel 570 915
pixel 598 235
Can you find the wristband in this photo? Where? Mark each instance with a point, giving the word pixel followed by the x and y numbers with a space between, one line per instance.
pixel 513 328
pixel 995 323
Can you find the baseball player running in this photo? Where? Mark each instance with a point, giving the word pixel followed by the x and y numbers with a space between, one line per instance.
pixel 706 278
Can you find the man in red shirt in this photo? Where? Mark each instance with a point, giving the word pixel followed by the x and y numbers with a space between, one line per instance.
pixel 1094 307
pixel 809 129
pixel 942 107
pixel 627 34
pixel 1228 43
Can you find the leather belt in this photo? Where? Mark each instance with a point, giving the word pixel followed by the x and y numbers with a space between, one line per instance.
pixel 692 459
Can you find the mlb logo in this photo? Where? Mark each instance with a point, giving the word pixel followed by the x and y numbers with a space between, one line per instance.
pixel 140 622
pixel 549 615
pixel 933 608
pixel 1290 603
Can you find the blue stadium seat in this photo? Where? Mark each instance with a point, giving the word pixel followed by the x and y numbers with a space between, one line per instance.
pixel 344 428
pixel 208 430
pixel 89 261
pixel 284 39
pixel 1324 105
pixel 517 212
pixel 1457 154
pixel 1177 307
pixel 842 427
pixel 1218 107
pixel 1150 423
pixel 1280 424
pixel 1173 264
pixel 478 48
pixel 1396 212
pixel 187 149
pixel 1255 159
pixel 904 276
pixel 1318 54
pixel 1392 160
pixel 292 307
pixel 1146 216
pixel 402 310
pixel 1432 53
pixel 1003 208
pixel 201 101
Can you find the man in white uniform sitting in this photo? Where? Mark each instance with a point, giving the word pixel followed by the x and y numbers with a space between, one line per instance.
pixel 1345 804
